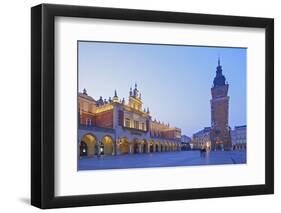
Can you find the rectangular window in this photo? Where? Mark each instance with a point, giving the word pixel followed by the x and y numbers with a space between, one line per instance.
pixel 142 126
pixel 136 124
pixel 127 122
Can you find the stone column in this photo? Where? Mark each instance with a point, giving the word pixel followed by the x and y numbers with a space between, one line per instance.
pixel 98 148
pixel 114 147
pixel 78 151
pixel 139 148
pixel 131 148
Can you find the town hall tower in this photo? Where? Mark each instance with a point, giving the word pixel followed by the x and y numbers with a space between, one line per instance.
pixel 220 130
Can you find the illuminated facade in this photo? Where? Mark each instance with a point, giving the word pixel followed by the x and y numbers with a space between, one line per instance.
pixel 202 139
pixel 114 127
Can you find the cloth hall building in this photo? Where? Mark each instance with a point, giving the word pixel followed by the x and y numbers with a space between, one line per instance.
pixel 115 127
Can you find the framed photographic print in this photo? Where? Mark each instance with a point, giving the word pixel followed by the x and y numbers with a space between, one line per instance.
pixel 139 106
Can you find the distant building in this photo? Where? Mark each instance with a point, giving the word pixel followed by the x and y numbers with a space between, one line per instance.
pixel 202 139
pixel 185 139
pixel 239 137
pixel 185 143
pixel 220 131
pixel 113 126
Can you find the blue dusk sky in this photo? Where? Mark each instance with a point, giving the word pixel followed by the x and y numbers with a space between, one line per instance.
pixel 175 81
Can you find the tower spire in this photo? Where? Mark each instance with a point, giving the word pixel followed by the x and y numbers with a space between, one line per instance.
pixel 115 97
pixel 219 80
pixel 136 91
pixel 131 93
pixel 85 91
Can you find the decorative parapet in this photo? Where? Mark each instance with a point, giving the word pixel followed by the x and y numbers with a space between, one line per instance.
pixel 104 108
pixel 97 129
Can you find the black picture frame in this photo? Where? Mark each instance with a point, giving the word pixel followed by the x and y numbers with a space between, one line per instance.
pixel 43 105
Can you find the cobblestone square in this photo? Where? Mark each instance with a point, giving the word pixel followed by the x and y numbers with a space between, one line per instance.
pixel 167 159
